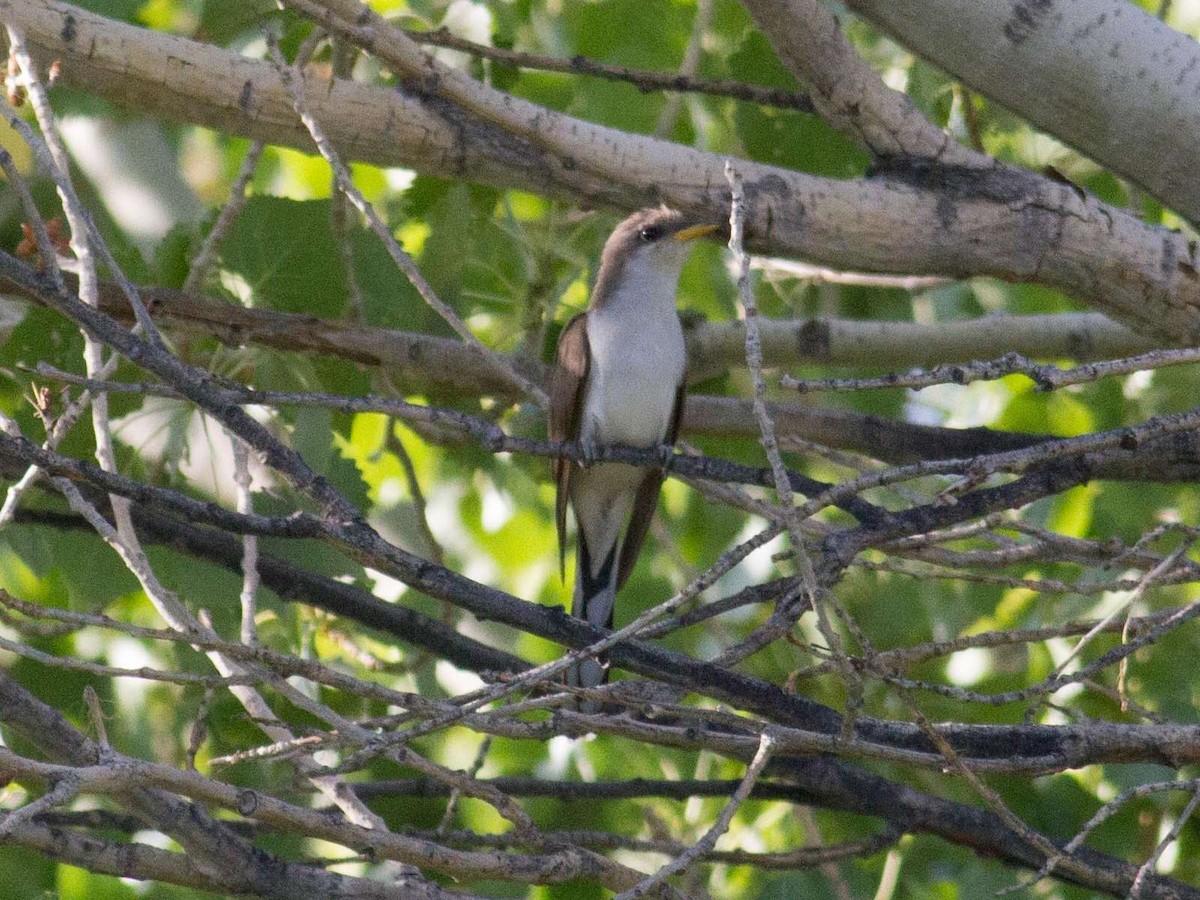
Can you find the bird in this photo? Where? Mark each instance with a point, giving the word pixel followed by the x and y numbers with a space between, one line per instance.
pixel 618 378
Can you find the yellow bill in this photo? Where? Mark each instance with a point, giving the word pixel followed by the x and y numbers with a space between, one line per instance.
pixel 694 231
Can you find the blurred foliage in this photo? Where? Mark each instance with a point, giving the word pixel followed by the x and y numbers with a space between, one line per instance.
pixel 515 267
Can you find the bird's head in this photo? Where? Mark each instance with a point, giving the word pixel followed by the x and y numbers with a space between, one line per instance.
pixel 650 244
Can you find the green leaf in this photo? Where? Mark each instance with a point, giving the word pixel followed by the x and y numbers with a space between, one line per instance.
pixel 281 254
pixel 389 298
pixel 173 256
pixel 76 883
pixel 312 437
pixel 125 10
pixel 446 251
pixel 644 34
pixel 781 137
pixel 223 20
pixel 932 91
pixel 42 335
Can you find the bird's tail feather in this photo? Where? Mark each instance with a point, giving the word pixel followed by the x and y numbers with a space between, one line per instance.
pixel 595 598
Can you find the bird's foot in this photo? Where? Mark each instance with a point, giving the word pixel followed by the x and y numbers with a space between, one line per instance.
pixel 666 457
pixel 590 452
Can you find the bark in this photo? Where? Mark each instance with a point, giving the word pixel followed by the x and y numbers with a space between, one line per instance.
pixel 423 361
pixel 956 221
pixel 846 91
pixel 1104 76
pixel 448 369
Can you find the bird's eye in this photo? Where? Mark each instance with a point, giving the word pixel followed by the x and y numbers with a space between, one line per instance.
pixel 650 234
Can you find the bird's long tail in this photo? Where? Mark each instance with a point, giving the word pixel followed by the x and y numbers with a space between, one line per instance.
pixel 595 597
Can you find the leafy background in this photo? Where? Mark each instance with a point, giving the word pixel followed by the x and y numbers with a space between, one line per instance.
pixel 515 267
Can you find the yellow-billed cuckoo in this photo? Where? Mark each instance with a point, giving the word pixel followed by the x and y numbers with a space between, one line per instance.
pixel 619 380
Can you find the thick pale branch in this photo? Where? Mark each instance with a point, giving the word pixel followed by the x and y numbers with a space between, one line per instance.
pixel 423 362
pixel 428 364
pixel 713 346
pixel 955 221
pixel 1044 232
pixel 845 90
pixel 1105 76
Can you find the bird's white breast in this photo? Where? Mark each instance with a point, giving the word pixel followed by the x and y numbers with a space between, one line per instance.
pixel 637 364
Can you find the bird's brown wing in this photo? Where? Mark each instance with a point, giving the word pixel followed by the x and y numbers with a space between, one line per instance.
pixel 647 499
pixel 568 382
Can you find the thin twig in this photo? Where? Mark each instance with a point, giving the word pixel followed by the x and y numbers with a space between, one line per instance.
pixel 63 791
pixel 813 592
pixel 1045 377
pixel 719 827
pixel 206 258
pixel 395 443
pixel 1146 869
pixel 789 268
pixel 1107 811
pixel 85 237
pixel 643 80
pixel 293 80
pixel 250 576
pixel 687 67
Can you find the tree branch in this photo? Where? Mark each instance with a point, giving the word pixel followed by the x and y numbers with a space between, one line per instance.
pixel 1094 54
pixel 296 585
pixel 429 364
pixel 922 221
pixel 643 80
pixel 845 91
